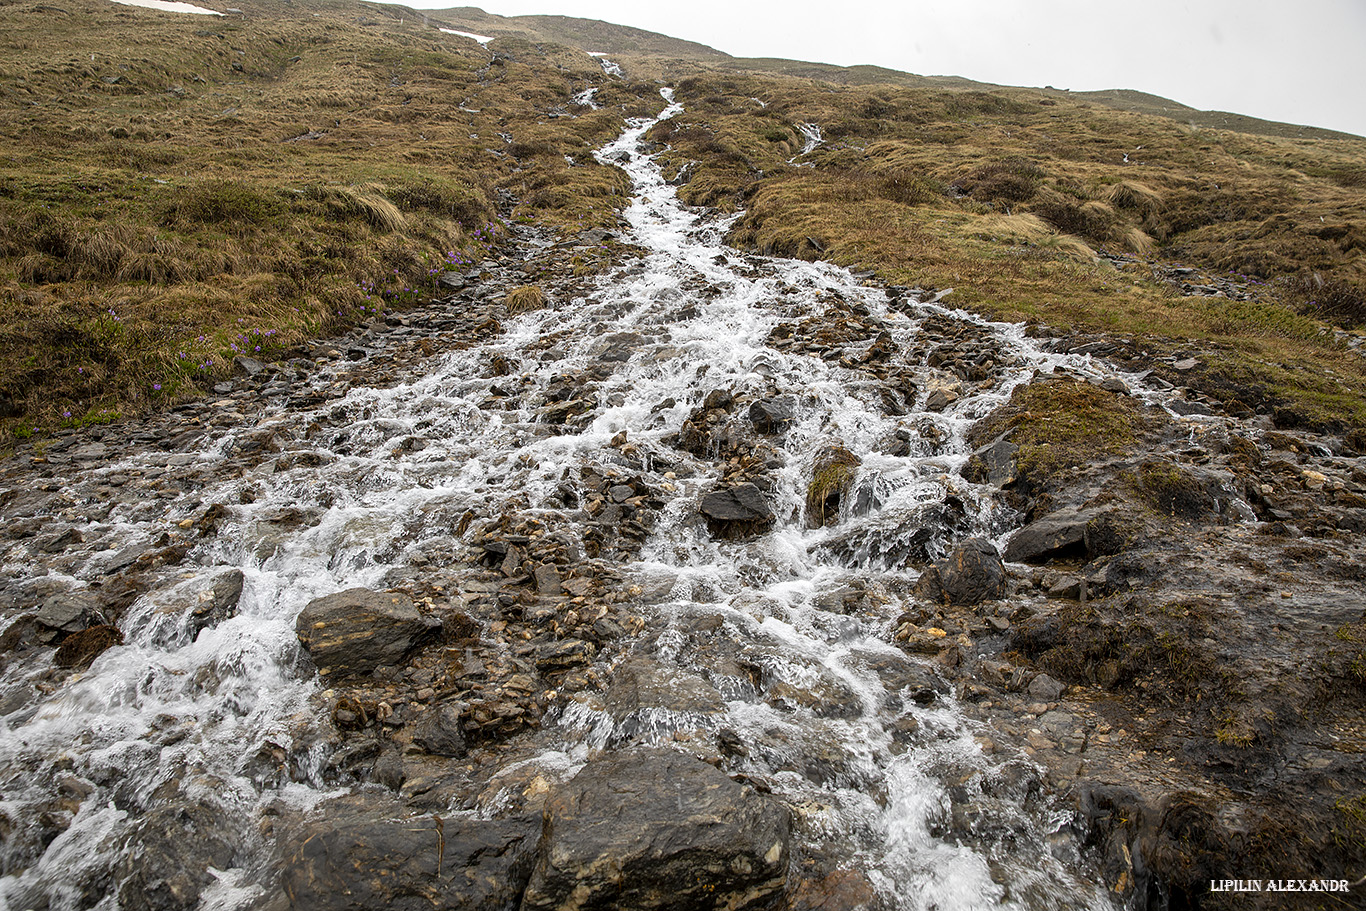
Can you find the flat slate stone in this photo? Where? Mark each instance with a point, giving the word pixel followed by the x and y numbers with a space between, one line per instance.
pixel 356 631
pixel 736 512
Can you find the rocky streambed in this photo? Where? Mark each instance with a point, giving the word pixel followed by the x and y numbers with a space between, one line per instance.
pixel 720 581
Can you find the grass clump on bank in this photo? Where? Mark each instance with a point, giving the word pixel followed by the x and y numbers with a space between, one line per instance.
pixel 1061 423
pixel 180 190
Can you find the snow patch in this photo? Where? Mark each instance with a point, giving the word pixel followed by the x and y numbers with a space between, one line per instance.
pixel 482 39
pixel 166 6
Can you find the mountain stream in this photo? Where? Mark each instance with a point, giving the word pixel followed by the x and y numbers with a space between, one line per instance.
pixel 832 709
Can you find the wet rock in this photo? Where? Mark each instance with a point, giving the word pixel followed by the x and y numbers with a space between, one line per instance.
pixel 647 697
pixel 440 733
pixel 64 614
pixel 993 464
pixel 971 574
pixel 771 416
pixel 247 366
pixel 217 603
pixel 547 579
pixel 356 631
pixel 832 475
pixel 940 398
pixel 648 829
pixel 388 770
pixel 363 854
pixel 1045 688
pixel 643 683
pixel 565 655
pixel 1060 535
pixel 842 890
pixel 164 865
pixel 737 512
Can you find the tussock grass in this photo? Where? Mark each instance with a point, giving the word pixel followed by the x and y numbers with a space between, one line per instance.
pixel 366 202
pixel 525 299
pixel 1131 194
pixel 177 191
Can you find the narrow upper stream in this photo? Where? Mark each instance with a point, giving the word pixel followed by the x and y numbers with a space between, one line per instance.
pixel 181 710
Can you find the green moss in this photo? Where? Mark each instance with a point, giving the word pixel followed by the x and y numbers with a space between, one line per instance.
pixel 1061 423
pixel 831 474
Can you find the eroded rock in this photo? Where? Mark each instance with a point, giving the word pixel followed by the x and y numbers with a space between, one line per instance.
pixel 356 631
pixel 647 829
pixel 360 854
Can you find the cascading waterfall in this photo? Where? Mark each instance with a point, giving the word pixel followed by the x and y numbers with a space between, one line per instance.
pixel 178 714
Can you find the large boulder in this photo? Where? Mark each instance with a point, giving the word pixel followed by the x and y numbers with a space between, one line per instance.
pixel 362 854
pixel 1065 534
pixel 648 828
pixel 356 631
pixel 165 863
pixel 216 603
pixel 971 574
pixel 737 512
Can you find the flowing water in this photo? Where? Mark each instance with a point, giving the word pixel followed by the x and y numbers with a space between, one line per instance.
pixel 874 776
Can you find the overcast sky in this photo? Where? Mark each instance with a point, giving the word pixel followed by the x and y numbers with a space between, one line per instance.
pixel 1298 61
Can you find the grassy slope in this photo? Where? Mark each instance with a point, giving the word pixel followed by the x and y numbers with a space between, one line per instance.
pixel 175 183
pixel 1007 196
pixel 179 189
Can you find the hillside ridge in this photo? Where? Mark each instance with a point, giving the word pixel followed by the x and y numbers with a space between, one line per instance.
pixel 600 36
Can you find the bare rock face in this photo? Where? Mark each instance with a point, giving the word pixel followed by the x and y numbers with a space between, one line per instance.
pixel 647 828
pixel 737 512
pixel 356 631
pixel 363 854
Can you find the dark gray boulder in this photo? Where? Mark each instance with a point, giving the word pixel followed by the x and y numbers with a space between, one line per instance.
pixel 736 512
pixel 64 614
pixel 647 828
pixel 1064 534
pixel 771 416
pixel 993 464
pixel 217 603
pixel 165 861
pixel 356 631
pixel 364 854
pixel 439 731
pixel 971 574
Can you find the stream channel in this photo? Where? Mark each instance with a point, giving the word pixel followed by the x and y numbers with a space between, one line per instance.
pixel 856 738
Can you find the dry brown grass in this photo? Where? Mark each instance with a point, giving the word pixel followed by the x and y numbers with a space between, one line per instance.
pixel 257 180
pixel 1042 183
pixel 525 299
